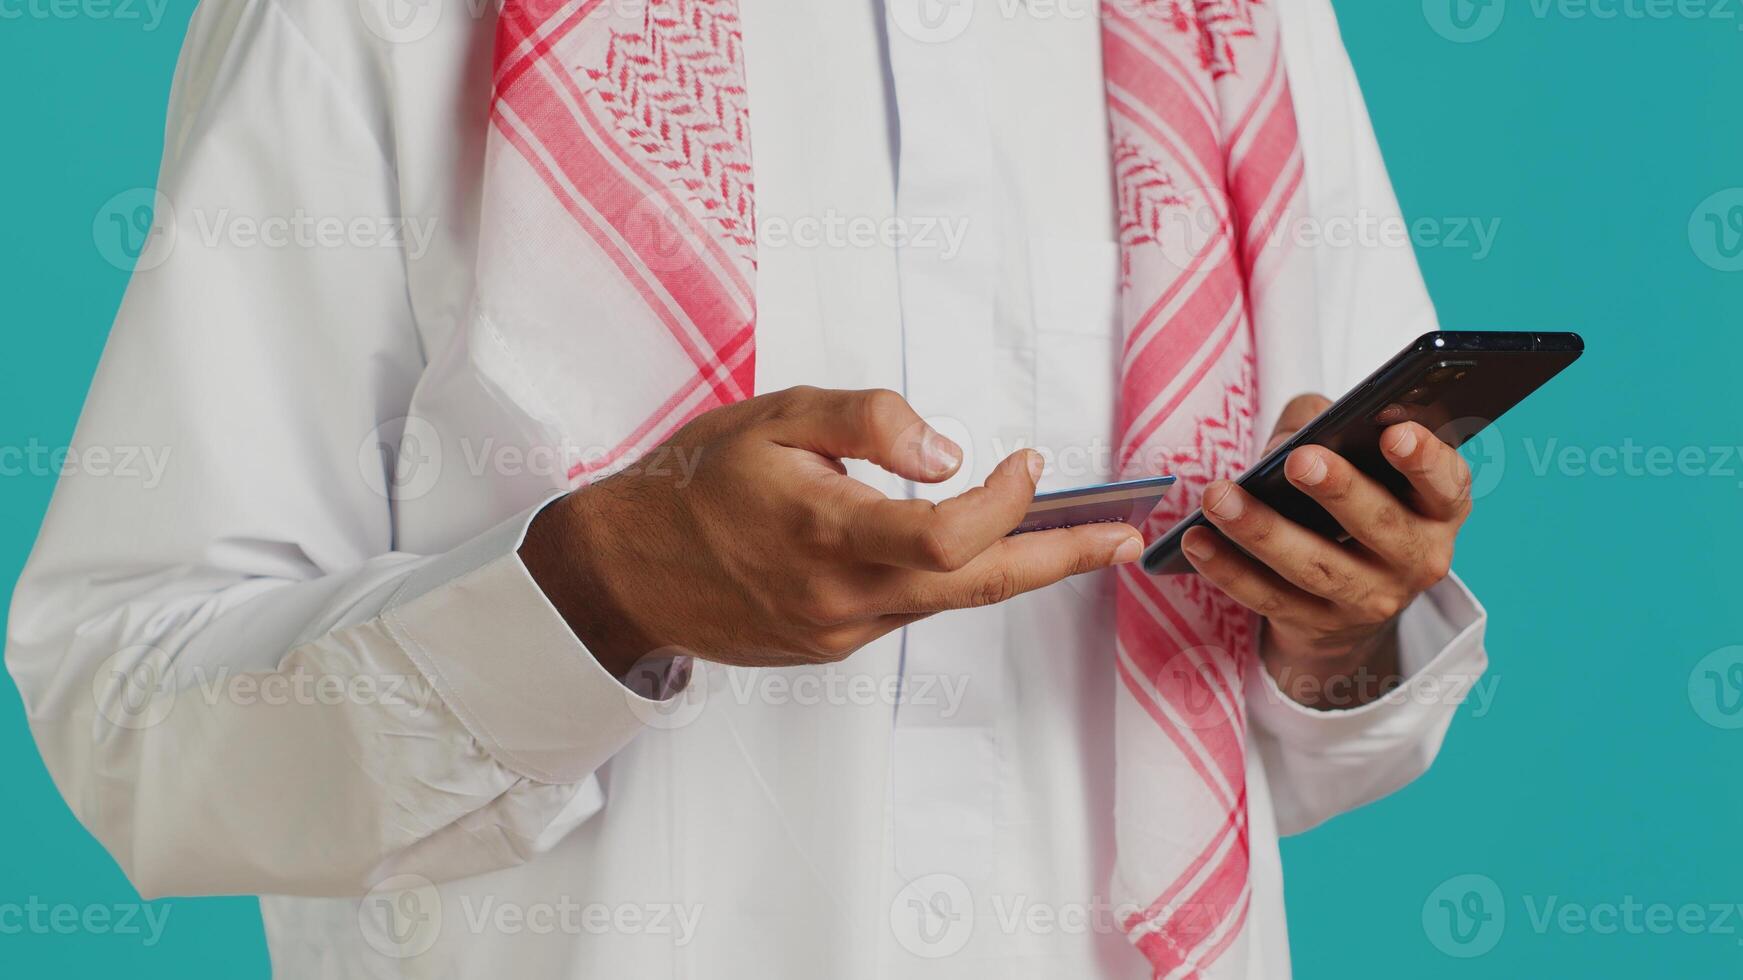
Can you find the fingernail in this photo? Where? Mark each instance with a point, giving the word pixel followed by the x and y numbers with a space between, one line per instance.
pixel 942 455
pixel 1314 470
pixel 1405 444
pixel 1037 465
pixel 1227 503
pixel 1128 551
pixel 1198 547
pixel 1278 440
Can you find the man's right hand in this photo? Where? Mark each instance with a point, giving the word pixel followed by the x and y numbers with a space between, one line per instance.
pixel 770 555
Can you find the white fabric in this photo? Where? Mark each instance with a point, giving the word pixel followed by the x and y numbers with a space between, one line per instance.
pixel 770 825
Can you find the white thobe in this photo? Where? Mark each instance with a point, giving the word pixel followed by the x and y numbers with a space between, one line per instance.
pixel 348 650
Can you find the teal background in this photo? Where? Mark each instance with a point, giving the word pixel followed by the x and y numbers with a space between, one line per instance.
pixel 1593 777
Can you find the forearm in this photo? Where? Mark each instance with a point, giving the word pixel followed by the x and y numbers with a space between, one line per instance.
pixel 569 554
pixel 169 713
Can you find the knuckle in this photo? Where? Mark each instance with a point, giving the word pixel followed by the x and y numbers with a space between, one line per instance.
pixel 1084 562
pixel 1389 519
pixel 1417 540
pixel 995 587
pixel 799 393
pixel 1380 607
pixel 824 605
pixel 1462 482
pixel 1305 406
pixel 1327 579
pixel 879 404
pixel 817 529
pixel 938 551
pixel 835 645
pixel 789 403
pixel 1436 566
pixel 1256 528
pixel 1269 603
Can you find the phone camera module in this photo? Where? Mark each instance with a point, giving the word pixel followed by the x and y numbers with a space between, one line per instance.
pixel 1447 371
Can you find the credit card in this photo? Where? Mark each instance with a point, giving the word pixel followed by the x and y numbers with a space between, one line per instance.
pixel 1108 503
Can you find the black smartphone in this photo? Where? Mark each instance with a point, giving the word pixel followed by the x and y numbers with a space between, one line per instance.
pixel 1452 382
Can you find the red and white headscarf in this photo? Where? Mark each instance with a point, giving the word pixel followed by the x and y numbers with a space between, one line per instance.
pixel 619 166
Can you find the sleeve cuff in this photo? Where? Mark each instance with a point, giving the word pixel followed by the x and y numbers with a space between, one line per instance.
pixel 1442 657
pixel 504 660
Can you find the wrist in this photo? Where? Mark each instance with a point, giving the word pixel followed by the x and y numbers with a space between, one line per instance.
pixel 1333 680
pixel 567 550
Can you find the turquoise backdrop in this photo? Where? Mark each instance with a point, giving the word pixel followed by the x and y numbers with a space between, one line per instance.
pixel 1582 821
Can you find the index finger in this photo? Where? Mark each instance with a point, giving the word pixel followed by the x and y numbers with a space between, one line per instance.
pixel 947 535
pixel 1013 566
pixel 876 425
pixel 1436 471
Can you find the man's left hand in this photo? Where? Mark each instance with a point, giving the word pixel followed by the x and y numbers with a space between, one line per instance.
pixel 1331 609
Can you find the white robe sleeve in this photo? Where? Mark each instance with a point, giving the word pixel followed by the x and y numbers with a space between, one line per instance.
pixel 236 682
pixel 1372 301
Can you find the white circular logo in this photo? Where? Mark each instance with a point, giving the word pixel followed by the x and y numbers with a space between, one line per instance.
pixel 135 231
pixel 1464 21
pixel 963 479
pixel 1716 230
pixel 932 21
pixel 1716 688
pixel 401 21
pixel 662 234
pixel 133 689
pixel 647 689
pixel 401 459
pixel 1465 916
pixel 1199 688
pixel 933 916
pixel 401 917
pixel 1485 452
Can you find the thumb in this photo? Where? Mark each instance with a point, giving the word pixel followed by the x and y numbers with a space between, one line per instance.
pixel 1301 410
